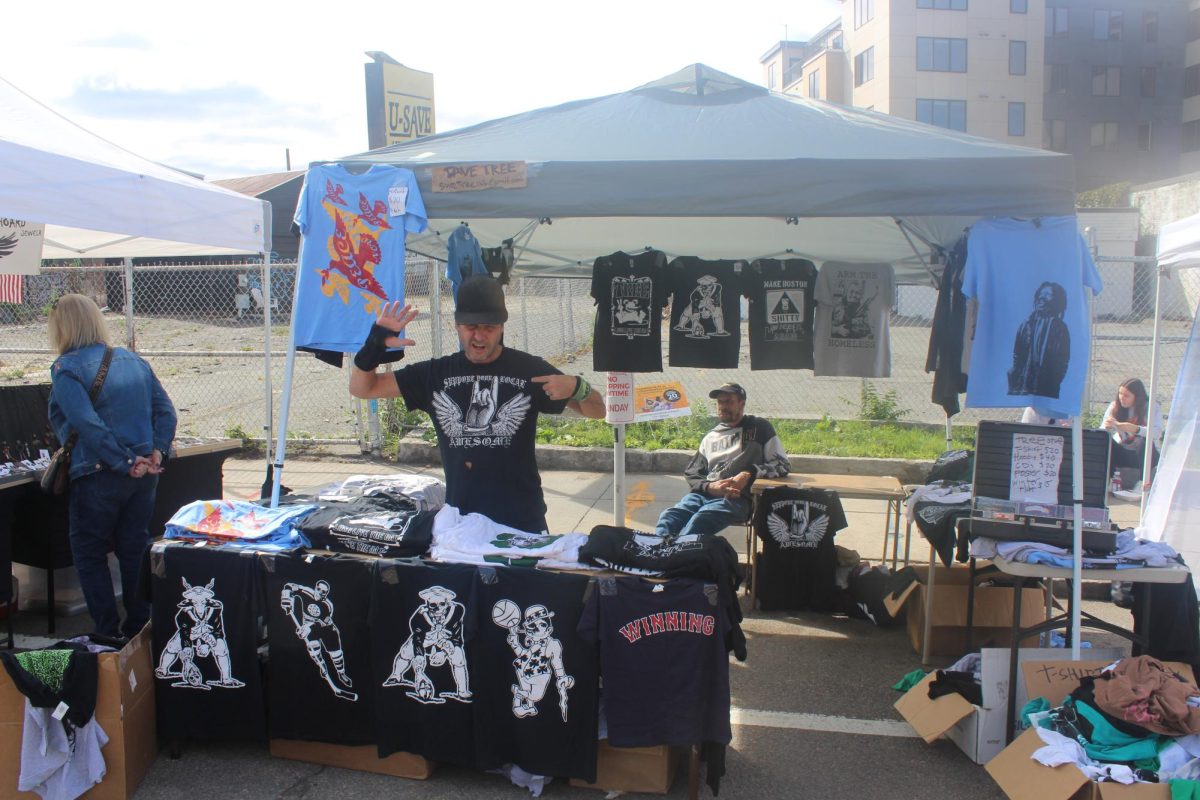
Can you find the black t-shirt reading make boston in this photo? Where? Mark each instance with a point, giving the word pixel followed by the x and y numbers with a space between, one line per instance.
pixel 782 306
pixel 486 417
pixel 630 292
pixel 706 318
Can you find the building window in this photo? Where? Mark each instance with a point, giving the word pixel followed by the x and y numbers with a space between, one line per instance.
pixel 814 84
pixel 943 5
pixel 1149 82
pixel 1016 119
pixel 1150 26
pixel 1191 81
pixel 1106 81
pixel 1056 79
pixel 1104 136
pixel 1106 25
pixel 1016 58
pixel 1194 25
pixel 1018 6
pixel 772 80
pixel 1144 137
pixel 837 42
pixel 1058 23
pixel 1054 135
pixel 941 55
pixel 1191 136
pixel 864 12
pixel 950 114
pixel 864 66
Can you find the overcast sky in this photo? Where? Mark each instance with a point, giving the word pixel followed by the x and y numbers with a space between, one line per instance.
pixel 222 88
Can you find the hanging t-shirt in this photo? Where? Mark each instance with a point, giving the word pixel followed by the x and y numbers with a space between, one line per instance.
pixel 352 251
pixel 782 306
pixel 320 685
pixel 854 303
pixel 423 618
pixel 1033 336
pixel 464 258
pixel 206 605
pixel 630 292
pixel 535 678
pixel 706 320
pixel 662 657
pixel 486 419
pixel 796 569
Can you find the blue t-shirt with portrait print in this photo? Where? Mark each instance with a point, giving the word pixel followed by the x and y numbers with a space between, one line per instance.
pixel 352 252
pixel 1033 335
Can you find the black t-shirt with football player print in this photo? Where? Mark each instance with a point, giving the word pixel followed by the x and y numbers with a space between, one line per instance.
pixel 782 307
pixel 205 613
pixel 319 685
pixel 798 565
pixel 423 619
pixel 534 677
pixel 630 292
pixel 486 420
pixel 377 525
pixel 706 318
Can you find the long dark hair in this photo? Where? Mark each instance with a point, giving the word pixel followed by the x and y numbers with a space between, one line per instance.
pixel 1141 402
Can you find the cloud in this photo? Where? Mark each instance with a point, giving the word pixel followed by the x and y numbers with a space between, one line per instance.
pixel 231 104
pixel 119 41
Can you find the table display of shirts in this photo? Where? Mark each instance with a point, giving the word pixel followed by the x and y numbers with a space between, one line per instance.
pixel 854 304
pixel 630 293
pixel 1033 336
pixel 352 251
pixel 319 679
pixel 706 318
pixel 423 618
pixel 782 307
pixel 205 612
pixel 534 677
pixel 378 525
pixel 796 570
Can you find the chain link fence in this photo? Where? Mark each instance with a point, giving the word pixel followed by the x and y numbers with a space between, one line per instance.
pixel 202 329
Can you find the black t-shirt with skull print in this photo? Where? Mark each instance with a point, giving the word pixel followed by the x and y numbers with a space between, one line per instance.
pixel 706 319
pixel 630 293
pixel 486 420
pixel 797 568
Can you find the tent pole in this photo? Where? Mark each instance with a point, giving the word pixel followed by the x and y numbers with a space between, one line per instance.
pixel 285 398
pixel 1151 418
pixel 619 474
pixel 1077 538
pixel 949 434
pixel 129 333
pixel 269 422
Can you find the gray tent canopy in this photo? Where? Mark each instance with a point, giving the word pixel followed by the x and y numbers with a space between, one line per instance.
pixel 702 163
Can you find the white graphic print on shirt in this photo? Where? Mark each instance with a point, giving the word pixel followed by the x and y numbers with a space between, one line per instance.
pixel 199 634
pixel 645 545
pixel 435 640
pixel 805 528
pixel 484 422
pixel 704 316
pixel 311 611
pixel 631 298
pixel 538 656
pixel 785 315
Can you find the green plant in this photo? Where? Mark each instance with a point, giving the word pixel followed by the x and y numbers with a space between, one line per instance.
pixel 872 405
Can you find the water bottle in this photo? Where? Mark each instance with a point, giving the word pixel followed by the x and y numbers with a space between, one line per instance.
pixel 1116 481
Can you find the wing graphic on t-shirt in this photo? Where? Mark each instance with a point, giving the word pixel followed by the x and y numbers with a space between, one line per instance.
pixel 510 416
pixel 815 530
pixel 449 415
pixel 778 528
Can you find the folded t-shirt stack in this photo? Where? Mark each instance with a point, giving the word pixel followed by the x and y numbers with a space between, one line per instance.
pixel 240 524
pixel 376 525
pixel 423 492
pixel 476 539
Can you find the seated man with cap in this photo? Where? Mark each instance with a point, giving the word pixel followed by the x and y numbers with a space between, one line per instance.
pixel 731 456
pixel 484 401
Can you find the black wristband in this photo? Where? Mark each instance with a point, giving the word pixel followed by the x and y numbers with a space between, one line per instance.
pixel 371 354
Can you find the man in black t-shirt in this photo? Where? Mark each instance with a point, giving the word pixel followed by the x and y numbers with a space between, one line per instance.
pixel 483 400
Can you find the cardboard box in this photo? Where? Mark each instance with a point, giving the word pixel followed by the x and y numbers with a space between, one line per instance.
pixel 992 624
pixel 364 758
pixel 650 770
pixel 124 709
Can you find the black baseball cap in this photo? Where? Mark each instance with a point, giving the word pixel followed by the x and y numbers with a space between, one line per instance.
pixel 480 302
pixel 728 388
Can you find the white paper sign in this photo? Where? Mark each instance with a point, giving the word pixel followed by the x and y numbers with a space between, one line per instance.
pixel 1036 460
pixel 619 403
pixel 20 246
pixel 397 200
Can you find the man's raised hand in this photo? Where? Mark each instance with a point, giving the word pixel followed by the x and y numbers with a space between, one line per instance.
pixel 395 318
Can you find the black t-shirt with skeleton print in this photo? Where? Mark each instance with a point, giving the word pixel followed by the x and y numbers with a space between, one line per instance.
pixel 630 293
pixel 486 420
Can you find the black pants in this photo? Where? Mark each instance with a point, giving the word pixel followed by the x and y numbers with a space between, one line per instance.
pixel 1130 459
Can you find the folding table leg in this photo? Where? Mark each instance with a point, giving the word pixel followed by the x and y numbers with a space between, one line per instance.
pixel 928 605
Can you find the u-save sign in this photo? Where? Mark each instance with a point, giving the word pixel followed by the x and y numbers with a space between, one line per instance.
pixel 400 104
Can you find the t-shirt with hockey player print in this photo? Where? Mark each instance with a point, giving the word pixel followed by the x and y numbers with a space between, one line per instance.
pixel 630 293
pixel 854 304
pixel 378 525
pixel 663 660
pixel 423 619
pixel 1033 336
pixel 320 687
pixel 706 317
pixel 352 251
pixel 535 678
pixel 796 570
pixel 485 416
pixel 205 610
pixel 782 307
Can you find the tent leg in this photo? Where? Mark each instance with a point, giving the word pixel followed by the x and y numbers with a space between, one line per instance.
pixel 1077 549
pixel 269 421
pixel 1151 434
pixel 619 475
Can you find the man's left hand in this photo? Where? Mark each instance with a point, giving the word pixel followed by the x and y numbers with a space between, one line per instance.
pixel 558 387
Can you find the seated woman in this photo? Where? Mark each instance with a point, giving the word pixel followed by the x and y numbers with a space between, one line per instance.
pixel 1128 418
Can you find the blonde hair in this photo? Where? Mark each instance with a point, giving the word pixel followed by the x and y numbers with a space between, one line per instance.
pixel 76 321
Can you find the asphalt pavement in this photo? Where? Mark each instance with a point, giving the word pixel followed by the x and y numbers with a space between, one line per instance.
pixel 812 705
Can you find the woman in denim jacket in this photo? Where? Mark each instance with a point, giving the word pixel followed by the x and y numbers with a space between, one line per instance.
pixel 123 441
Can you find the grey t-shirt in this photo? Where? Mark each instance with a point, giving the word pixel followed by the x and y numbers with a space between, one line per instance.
pixel 854 302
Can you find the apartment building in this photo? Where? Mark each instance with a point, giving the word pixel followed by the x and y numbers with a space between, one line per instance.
pixel 1190 134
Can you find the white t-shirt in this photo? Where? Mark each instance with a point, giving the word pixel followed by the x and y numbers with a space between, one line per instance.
pixel 854 303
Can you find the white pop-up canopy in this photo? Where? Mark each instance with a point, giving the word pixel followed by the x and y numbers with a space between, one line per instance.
pixel 99 200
